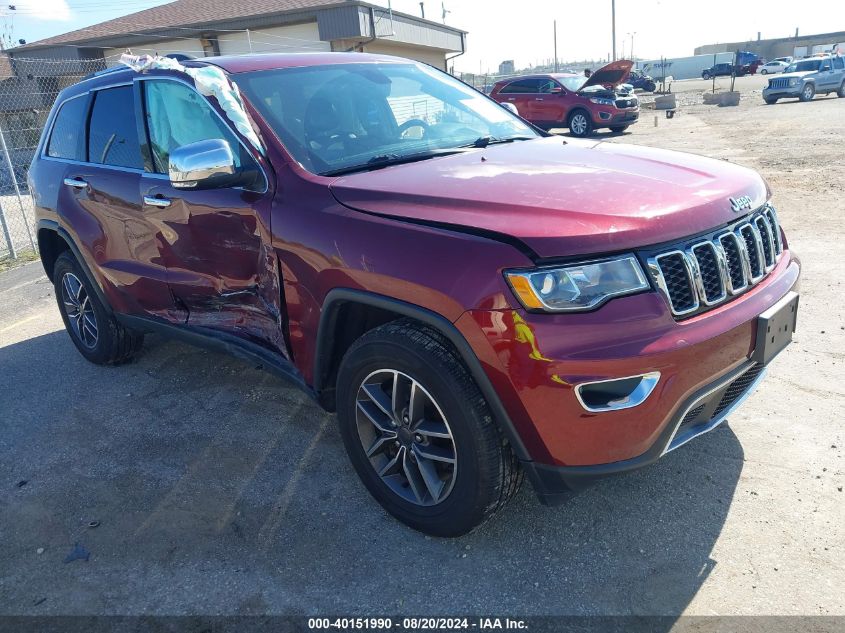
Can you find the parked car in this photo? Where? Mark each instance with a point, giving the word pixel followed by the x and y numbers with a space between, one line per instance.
pixel 718 70
pixel 773 67
pixel 580 103
pixel 477 300
pixel 805 78
pixel 787 60
pixel 638 80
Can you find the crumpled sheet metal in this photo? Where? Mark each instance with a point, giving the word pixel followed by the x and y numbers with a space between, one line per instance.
pixel 209 81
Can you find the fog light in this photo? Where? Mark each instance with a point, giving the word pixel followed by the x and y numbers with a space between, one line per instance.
pixel 617 393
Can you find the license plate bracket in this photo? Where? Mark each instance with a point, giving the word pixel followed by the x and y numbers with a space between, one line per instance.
pixel 774 328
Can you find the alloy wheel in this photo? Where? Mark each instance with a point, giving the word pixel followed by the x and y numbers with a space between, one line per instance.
pixel 578 124
pixel 79 310
pixel 406 437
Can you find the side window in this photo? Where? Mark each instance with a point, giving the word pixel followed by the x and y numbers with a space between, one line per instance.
pixel 68 130
pixel 839 63
pixel 547 85
pixel 178 115
pixel 522 86
pixel 112 133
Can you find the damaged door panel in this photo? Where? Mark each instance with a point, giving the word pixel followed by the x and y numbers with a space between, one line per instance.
pixel 215 242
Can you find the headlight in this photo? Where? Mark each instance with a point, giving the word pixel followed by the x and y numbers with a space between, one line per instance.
pixel 793 81
pixel 602 101
pixel 577 287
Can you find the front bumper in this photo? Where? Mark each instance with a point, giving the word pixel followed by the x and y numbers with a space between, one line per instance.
pixel 615 117
pixel 535 361
pixel 783 93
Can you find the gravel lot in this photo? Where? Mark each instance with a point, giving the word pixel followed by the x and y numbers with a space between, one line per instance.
pixel 218 490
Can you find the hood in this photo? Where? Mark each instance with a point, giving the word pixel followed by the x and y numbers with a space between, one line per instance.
pixel 560 198
pixel 798 75
pixel 610 75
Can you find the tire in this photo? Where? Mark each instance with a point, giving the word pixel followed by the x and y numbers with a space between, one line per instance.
pixel 764 72
pixel 705 75
pixel 96 333
pixel 448 499
pixel 808 92
pixel 580 123
pixel 841 92
pixel 618 129
pixel 770 100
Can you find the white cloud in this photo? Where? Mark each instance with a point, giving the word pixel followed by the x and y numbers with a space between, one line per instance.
pixel 43 9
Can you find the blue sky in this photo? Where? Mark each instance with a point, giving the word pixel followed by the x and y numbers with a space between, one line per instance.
pixel 497 30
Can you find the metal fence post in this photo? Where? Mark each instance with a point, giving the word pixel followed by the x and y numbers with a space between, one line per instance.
pixel 12 252
pixel 17 189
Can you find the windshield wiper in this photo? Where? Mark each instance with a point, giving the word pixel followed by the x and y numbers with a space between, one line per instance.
pixel 484 141
pixel 386 160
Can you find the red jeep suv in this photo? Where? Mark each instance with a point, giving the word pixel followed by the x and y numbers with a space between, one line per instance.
pixel 568 100
pixel 477 301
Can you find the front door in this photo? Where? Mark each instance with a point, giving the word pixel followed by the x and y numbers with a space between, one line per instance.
pixel 216 242
pixel 549 105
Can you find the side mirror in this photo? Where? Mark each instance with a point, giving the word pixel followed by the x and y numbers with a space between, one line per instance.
pixel 509 106
pixel 203 165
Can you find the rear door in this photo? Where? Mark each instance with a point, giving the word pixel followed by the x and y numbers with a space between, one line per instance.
pixel 216 242
pixel 522 93
pixel 100 204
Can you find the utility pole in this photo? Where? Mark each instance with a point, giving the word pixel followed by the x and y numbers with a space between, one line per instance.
pixel 632 44
pixel 555 27
pixel 613 25
pixel 422 9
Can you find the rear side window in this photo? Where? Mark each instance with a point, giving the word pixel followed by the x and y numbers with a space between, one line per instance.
pixel 838 63
pixel 522 86
pixel 68 130
pixel 113 135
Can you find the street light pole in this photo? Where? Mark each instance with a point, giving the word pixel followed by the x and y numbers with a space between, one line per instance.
pixel 632 44
pixel 555 27
pixel 613 25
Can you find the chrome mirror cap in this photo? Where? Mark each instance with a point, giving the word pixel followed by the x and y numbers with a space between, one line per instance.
pixel 203 164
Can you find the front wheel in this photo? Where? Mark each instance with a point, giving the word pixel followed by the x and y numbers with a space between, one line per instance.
pixel 705 75
pixel 770 100
pixel 808 92
pixel 420 434
pixel 98 336
pixel 580 124
pixel 618 129
pixel 841 92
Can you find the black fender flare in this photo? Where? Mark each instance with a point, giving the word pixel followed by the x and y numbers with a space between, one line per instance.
pixel 52 225
pixel 325 343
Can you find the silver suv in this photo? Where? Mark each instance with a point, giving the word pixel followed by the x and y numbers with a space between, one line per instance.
pixel 804 78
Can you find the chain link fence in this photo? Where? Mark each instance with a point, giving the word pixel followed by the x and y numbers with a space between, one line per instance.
pixel 28 88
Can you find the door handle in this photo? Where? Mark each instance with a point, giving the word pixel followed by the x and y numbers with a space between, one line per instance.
pixel 512 99
pixel 538 98
pixel 77 183
pixel 161 203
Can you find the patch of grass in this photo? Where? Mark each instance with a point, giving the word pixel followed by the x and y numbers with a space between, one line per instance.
pixel 24 257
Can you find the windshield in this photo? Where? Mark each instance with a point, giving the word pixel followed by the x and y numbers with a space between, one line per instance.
pixel 804 66
pixel 339 117
pixel 573 83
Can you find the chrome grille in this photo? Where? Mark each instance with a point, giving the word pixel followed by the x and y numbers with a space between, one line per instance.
pixel 709 271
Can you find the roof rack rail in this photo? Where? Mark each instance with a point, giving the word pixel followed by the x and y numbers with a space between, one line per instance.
pixel 105 71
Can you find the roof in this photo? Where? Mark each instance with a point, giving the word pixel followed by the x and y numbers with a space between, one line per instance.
pixel 246 63
pixel 182 13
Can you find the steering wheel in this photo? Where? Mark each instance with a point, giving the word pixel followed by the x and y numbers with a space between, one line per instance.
pixel 407 125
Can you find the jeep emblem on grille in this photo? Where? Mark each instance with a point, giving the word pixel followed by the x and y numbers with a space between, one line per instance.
pixel 740 204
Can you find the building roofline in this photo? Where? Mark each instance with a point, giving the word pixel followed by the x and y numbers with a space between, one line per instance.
pixel 146 35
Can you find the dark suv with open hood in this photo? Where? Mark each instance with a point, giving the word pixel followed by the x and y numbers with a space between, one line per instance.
pixel 476 299
pixel 582 104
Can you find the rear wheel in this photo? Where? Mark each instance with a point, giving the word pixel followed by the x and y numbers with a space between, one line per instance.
pixel 97 334
pixel 420 434
pixel 580 124
pixel 808 92
pixel 764 72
